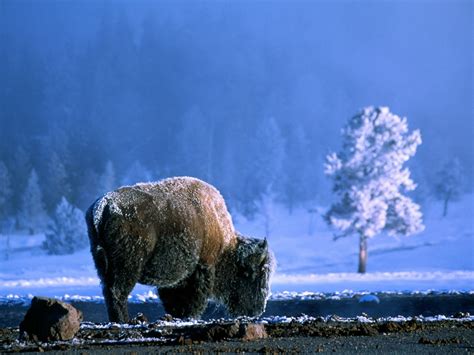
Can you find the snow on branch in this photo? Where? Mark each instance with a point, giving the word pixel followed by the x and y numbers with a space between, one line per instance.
pixel 369 178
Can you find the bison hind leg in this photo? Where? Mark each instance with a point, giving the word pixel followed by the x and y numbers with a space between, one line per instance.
pixel 122 273
pixel 188 298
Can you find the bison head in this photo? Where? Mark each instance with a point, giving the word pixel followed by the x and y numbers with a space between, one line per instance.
pixel 250 285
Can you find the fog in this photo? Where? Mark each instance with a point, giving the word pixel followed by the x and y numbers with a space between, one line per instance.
pixel 244 94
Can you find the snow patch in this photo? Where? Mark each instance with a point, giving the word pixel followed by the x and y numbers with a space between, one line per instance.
pixel 308 259
pixel 46 282
pixel 362 319
pixel 346 294
pixel 371 277
pixel 152 297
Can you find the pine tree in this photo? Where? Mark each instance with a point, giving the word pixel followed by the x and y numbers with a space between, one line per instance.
pixel 5 191
pixel 88 189
pixel 57 181
pixel 32 214
pixel 269 155
pixel 66 232
pixel 449 183
pixel 369 179
pixel 297 171
pixel 265 170
pixel 21 168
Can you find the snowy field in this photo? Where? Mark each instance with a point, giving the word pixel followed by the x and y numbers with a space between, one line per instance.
pixel 441 258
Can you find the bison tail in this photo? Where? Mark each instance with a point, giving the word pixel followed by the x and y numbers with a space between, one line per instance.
pixel 95 224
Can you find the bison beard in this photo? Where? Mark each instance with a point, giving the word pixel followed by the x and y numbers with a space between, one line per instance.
pixel 176 234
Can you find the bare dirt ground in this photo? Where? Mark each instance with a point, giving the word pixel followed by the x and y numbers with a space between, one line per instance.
pixel 310 336
pixel 359 328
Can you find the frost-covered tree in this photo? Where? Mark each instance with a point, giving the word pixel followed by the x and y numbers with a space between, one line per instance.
pixel 268 168
pixel 32 215
pixel 107 180
pixel 88 190
pixel 5 190
pixel 266 210
pixel 20 170
pixel 264 168
pixel 268 160
pixel 297 172
pixel 369 179
pixel 66 231
pixel 449 183
pixel 57 181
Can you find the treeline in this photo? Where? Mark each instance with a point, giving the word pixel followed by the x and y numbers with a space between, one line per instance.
pixel 138 103
pixel 104 97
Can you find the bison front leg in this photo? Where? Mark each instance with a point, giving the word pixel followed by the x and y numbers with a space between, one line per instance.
pixel 189 297
pixel 116 301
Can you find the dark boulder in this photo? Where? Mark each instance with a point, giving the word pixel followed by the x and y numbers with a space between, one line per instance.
pixel 221 331
pixel 252 331
pixel 48 319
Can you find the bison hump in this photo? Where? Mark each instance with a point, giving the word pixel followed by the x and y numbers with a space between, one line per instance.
pixel 200 206
pixel 125 203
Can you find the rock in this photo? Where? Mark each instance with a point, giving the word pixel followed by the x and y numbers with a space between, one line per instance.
pixel 389 327
pixel 366 329
pixel 139 319
pixel 334 318
pixel 223 331
pixel 461 315
pixel 252 331
pixel 48 319
pixel 184 341
pixel 369 299
pixel 167 318
pixel 218 332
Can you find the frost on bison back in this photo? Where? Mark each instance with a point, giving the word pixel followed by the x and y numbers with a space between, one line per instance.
pixel 176 234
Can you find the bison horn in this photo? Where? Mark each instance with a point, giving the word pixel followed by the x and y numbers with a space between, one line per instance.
pixel 264 249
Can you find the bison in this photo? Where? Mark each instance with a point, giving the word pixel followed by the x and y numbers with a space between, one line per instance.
pixel 176 234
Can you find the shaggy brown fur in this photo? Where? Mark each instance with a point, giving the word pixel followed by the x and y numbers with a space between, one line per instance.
pixel 176 234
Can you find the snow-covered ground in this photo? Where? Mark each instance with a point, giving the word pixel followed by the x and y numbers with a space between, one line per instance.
pixel 440 258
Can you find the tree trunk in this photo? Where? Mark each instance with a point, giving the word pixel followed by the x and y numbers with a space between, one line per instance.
pixel 445 207
pixel 446 201
pixel 7 249
pixel 290 205
pixel 362 254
